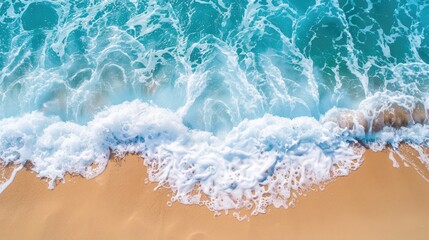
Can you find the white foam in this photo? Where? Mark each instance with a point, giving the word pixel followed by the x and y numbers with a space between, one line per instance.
pixel 270 155
pixel 261 162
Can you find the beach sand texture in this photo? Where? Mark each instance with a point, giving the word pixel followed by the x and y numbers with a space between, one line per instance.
pixel 377 201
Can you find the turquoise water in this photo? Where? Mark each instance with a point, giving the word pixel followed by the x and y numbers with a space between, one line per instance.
pixel 227 97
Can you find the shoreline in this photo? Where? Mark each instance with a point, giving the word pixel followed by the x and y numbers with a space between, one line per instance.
pixel 377 201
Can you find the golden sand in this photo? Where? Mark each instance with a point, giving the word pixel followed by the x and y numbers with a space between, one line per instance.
pixel 375 202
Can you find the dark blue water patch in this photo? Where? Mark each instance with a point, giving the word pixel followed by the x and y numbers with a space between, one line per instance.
pixel 424 54
pixel 40 15
pixel 384 13
pixel 301 6
pixel 401 49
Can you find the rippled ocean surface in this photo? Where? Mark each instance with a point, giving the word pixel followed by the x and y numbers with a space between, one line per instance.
pixel 245 102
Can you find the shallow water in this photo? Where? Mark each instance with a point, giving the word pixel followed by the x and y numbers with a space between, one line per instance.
pixel 243 101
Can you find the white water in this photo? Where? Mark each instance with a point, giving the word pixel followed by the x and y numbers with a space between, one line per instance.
pixel 260 162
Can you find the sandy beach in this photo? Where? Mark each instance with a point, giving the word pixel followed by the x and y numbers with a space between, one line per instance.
pixel 377 201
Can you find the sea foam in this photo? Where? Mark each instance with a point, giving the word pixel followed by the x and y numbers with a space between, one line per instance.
pixel 260 162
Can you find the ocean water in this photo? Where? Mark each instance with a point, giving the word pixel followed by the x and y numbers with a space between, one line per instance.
pixel 233 104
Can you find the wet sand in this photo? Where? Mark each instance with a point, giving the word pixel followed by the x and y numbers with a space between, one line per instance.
pixel 377 201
